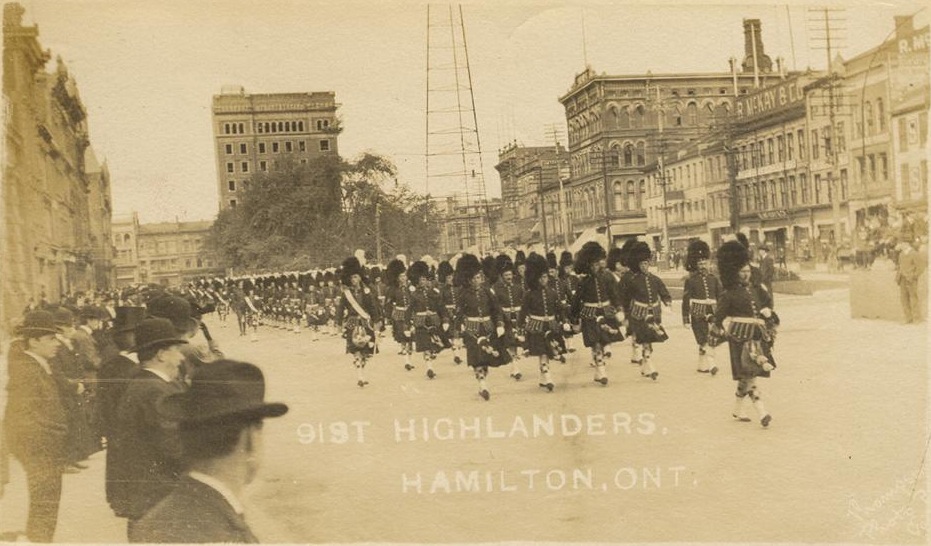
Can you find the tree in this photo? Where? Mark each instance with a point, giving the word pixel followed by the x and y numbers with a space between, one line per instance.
pixel 313 215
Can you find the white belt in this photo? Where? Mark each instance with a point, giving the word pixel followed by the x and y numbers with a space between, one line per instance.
pixel 599 304
pixel 705 302
pixel 547 318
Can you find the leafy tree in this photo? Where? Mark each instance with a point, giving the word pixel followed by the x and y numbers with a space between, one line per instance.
pixel 314 215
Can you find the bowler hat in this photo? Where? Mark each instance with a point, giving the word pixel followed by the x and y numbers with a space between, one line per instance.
pixel 175 309
pixel 127 318
pixel 63 317
pixel 222 391
pixel 156 333
pixel 38 323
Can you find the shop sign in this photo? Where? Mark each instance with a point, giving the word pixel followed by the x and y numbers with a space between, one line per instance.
pixel 778 214
pixel 770 99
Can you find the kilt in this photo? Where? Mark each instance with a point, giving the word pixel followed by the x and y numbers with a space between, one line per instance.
pixel 736 349
pixel 544 337
pixel 356 325
pixel 481 341
pixel 700 329
pixel 427 333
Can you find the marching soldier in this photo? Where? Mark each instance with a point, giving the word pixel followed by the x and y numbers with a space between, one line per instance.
pixel 509 292
pixel 746 317
pixel 359 316
pixel 448 294
pixel 599 317
pixel 427 314
pixel 541 317
pixel 483 323
pixel 699 298
pixel 642 297
pixel 398 301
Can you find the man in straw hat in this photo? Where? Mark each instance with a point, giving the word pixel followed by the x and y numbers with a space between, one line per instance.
pixel 220 419
pixel 146 460
pixel 36 425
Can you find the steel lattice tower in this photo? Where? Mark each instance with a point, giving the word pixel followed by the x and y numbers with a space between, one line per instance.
pixel 453 159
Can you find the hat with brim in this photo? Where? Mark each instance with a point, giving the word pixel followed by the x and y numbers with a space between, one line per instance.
pixel 222 392
pixel 127 318
pixel 37 324
pixel 176 309
pixel 156 333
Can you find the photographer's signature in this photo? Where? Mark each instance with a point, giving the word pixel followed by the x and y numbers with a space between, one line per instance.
pixel 901 507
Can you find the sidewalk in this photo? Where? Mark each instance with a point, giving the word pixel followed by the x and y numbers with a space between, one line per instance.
pixel 84 515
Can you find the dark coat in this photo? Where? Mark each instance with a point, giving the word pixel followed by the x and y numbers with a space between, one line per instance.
pixel 193 513
pixel 743 301
pixel 146 458
pixel 36 424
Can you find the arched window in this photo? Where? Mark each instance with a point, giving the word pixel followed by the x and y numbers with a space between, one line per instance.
pixel 880 115
pixel 126 238
pixel 868 115
pixel 631 196
pixel 641 194
pixel 637 121
pixel 623 121
pixel 641 153
pixel 613 116
pixel 691 114
pixel 628 154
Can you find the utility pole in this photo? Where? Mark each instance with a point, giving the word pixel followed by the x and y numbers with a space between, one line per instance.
pixel 563 218
pixel 541 211
pixel 828 18
pixel 378 232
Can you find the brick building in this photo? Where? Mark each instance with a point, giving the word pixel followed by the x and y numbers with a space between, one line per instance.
pixel 255 132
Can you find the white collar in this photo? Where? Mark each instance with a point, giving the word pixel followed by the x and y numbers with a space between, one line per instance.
pixel 42 362
pixel 86 328
pixel 159 373
pixel 220 488
pixel 65 341
pixel 130 355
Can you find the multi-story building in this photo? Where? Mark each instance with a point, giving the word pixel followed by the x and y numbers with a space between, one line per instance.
pixel 173 253
pixel 98 198
pixel 254 133
pixel 54 238
pixel 531 176
pixel 125 232
pixel 620 125
pixel 467 225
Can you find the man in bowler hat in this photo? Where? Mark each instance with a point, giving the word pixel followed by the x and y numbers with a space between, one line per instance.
pixel 36 424
pixel 220 420
pixel 145 462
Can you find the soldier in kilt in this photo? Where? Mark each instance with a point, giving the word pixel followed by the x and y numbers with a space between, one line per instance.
pixel 483 323
pixel 599 317
pixel 568 283
pixel 448 294
pixel 427 314
pixel 509 292
pixel 541 315
pixel 699 298
pixel 398 301
pixel 745 315
pixel 642 297
pixel 553 280
pixel 358 315
pixel 624 275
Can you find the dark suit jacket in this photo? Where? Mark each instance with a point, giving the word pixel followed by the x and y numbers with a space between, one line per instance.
pixel 767 272
pixel 36 424
pixel 145 462
pixel 193 512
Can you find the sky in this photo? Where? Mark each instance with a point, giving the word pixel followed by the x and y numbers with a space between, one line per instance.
pixel 147 71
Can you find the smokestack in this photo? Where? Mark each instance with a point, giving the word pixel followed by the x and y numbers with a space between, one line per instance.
pixel 754 57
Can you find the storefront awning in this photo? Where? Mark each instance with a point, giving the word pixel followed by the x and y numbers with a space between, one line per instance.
pixel 590 234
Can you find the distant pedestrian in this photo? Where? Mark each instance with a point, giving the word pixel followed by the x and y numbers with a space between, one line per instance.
pixel 767 268
pixel 220 421
pixel 908 270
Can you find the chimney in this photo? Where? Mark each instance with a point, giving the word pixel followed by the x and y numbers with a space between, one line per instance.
pixel 754 57
pixel 904 25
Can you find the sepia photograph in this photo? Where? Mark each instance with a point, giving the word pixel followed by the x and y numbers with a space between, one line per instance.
pixel 571 272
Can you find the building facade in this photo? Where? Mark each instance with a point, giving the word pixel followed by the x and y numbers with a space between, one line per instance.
pixel 619 126
pixel 125 233
pixel 467 225
pixel 56 209
pixel 173 253
pixel 254 133
pixel 531 176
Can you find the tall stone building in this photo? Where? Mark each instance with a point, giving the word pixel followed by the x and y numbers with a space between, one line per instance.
pixel 254 133
pixel 532 206
pixel 55 211
pixel 619 125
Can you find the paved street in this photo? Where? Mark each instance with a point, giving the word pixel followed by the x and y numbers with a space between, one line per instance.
pixel 634 461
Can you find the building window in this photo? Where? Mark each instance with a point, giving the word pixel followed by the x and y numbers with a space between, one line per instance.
pixel 801 145
pixel 793 191
pixel 263 166
pixel 618 196
pixel 628 155
pixel 242 148
pixel 287 126
pixel 790 146
pixel 245 166
pixel 259 127
pixel 781 148
pixel 261 147
pixel 274 147
pixel 691 113
pixel 843 184
pixel 231 184
pixel 280 126
pixel 232 203
pixel 323 124
pixel 868 114
pixel 229 167
pixel 229 149
pixel 770 151
pixel 301 146
pixel 187 263
pixel 303 161
pixel 880 115
pixel 815 144
pixel 226 128
pixel 274 127
pixel 632 196
pixel 872 163
pixel 817 188
pixel 324 145
pixel 803 182
pixel 841 137
pixel 641 154
pixel 288 147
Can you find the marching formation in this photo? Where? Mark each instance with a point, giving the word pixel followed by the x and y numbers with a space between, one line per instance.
pixel 504 310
